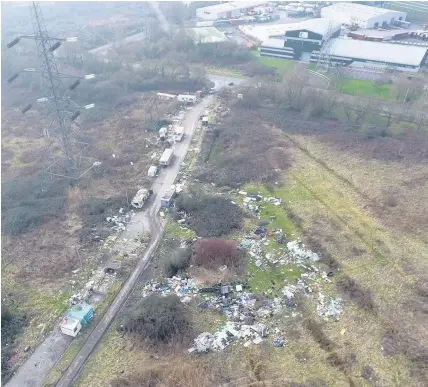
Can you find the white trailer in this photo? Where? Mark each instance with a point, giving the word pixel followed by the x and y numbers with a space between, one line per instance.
pixel 140 198
pixel 178 133
pixel 166 157
pixel 188 98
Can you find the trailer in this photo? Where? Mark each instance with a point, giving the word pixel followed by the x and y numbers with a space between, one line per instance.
pixel 166 200
pixel 178 133
pixel 166 157
pixel 141 197
pixel 187 98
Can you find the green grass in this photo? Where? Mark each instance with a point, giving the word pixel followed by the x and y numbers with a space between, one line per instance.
pixel 271 279
pixel 363 88
pixel 174 230
pixel 282 65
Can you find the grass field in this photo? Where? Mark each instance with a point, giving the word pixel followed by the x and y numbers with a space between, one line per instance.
pixel 363 88
pixel 282 65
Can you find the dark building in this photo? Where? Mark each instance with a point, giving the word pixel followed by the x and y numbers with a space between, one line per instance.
pixel 299 42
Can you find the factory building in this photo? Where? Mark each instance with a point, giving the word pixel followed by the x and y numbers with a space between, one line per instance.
pixel 300 40
pixel 227 10
pixel 375 55
pixel 363 16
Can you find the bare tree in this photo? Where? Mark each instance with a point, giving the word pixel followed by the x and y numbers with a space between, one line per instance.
pixel 360 109
pixel 348 109
pixel 420 119
pixel 388 113
pixel 331 102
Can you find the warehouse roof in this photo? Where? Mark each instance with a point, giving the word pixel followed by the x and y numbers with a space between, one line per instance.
pixel 264 32
pixel 273 43
pixel 318 26
pixel 206 35
pixel 378 51
pixel 233 5
pixel 359 10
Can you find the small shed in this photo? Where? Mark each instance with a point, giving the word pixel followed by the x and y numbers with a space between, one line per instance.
pixel 70 326
pixel 152 172
pixel 167 198
pixel 82 312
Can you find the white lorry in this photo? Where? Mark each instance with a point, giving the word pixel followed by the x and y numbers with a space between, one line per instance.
pixel 141 197
pixel 178 133
pixel 166 157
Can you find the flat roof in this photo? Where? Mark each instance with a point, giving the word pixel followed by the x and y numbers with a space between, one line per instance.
pixel 273 43
pixel 319 26
pixel 206 35
pixel 264 32
pixel 378 51
pixel 359 9
pixel 233 5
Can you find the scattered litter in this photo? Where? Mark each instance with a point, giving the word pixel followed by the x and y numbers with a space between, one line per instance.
pixel 330 308
pixel 278 342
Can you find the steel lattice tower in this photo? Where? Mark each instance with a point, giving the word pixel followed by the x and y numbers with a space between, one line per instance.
pixel 53 88
pixel 60 108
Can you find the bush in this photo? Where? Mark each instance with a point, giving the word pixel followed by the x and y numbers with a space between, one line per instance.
pixel 157 318
pixel 177 262
pixel 28 201
pixel 210 216
pixel 213 253
pixel 356 293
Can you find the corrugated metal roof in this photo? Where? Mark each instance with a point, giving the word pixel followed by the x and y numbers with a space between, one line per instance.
pixel 358 10
pixel 206 35
pixel 318 26
pixel 273 43
pixel 378 51
pixel 233 5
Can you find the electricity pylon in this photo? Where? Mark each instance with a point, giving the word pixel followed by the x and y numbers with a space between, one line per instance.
pixel 60 108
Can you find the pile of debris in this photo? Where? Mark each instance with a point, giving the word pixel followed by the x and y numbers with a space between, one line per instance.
pixel 184 288
pixel 333 307
pixel 119 222
pixel 231 332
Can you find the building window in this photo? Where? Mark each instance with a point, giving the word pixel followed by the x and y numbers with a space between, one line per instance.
pixel 376 25
pixel 400 18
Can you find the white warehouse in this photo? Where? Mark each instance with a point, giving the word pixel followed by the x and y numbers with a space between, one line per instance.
pixel 364 16
pixel 227 10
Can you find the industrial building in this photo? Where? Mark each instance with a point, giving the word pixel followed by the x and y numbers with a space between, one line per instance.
pixel 363 16
pixel 203 35
pixel 375 55
pixel 227 10
pixel 301 39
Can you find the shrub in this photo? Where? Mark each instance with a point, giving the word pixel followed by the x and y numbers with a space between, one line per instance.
pixel 210 216
pixel 157 318
pixel 213 253
pixel 178 261
pixel 363 297
pixel 28 201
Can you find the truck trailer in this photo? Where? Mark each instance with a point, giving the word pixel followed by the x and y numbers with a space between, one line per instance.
pixel 166 157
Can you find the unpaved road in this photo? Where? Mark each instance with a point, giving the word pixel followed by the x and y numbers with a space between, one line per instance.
pixel 36 368
pixel 162 184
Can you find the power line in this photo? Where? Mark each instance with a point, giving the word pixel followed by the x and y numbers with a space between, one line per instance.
pixel 59 107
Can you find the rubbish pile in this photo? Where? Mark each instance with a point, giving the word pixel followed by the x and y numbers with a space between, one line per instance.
pixel 299 253
pixel 119 221
pixel 294 253
pixel 184 288
pixel 231 332
pixel 333 307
